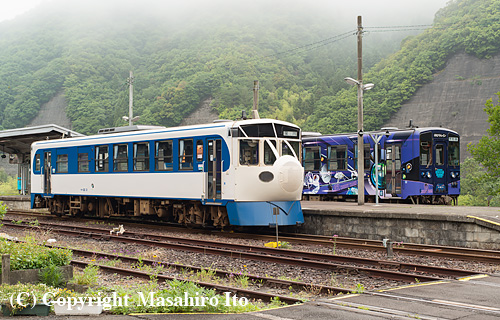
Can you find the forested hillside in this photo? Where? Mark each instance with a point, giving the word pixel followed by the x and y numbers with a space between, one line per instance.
pixel 299 51
pixel 464 26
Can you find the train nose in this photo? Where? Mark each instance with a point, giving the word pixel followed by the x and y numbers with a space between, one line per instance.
pixel 290 173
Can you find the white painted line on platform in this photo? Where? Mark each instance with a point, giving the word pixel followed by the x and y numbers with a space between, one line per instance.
pixel 344 296
pixel 413 286
pixel 466 305
pixel 268 316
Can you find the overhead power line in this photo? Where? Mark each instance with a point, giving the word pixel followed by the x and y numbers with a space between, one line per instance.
pixel 313 45
pixel 324 42
pixel 398 27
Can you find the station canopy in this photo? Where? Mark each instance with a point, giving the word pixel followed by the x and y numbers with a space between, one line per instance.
pixel 18 141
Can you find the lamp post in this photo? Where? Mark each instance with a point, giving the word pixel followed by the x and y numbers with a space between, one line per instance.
pixel 361 171
pixel 131 119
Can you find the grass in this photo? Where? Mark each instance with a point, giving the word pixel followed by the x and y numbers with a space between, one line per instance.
pixel 88 277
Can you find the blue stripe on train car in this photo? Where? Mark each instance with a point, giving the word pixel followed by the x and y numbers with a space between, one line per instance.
pixel 261 213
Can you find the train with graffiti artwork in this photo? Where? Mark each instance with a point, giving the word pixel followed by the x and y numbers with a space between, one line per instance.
pixel 421 165
pixel 238 173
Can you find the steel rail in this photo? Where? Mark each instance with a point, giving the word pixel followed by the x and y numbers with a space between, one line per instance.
pixel 298 258
pixel 461 253
pixel 220 273
pixel 220 288
pixel 286 253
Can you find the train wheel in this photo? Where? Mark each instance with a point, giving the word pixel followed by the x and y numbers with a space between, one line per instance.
pixel 219 216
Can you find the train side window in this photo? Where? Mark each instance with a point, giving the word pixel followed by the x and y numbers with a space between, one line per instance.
pixel 337 157
pixel 141 156
pixel 62 163
pixel 249 152
pixel 426 149
pixel 269 157
pixel 102 159
pixel 312 160
pixel 37 162
pixel 199 150
pixel 164 155
pixel 83 162
pixel 185 154
pixel 366 157
pixel 439 155
pixel 120 157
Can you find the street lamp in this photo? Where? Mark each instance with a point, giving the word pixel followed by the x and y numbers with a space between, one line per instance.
pixel 361 174
pixel 130 120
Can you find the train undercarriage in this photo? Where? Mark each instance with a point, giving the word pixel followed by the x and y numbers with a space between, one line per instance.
pixel 185 212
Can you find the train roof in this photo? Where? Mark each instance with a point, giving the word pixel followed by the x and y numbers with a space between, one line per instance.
pixel 314 135
pixel 125 131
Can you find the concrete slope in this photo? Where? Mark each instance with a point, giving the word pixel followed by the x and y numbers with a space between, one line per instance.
pixel 53 112
pixel 455 99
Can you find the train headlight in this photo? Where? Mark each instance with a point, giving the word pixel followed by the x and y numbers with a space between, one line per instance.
pixel 429 175
pixel 266 176
pixel 289 173
pixel 453 175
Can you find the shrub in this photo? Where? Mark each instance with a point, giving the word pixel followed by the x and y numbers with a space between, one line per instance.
pixel 52 276
pixel 3 210
pixel 29 255
pixel 88 277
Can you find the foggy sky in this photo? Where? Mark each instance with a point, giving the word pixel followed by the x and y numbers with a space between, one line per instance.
pixel 375 13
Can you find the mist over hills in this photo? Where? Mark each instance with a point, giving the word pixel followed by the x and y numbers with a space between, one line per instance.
pixel 183 53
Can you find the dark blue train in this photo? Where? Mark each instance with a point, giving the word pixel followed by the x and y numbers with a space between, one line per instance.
pixel 421 165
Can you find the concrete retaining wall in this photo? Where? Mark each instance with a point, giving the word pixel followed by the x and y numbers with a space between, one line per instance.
pixel 17 202
pixel 422 229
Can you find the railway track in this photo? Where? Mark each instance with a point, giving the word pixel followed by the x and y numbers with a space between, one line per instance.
pixel 218 287
pixel 378 268
pixel 459 253
pixel 269 282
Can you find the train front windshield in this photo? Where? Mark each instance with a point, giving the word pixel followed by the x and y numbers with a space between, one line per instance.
pixel 432 151
pixel 453 150
pixel 264 143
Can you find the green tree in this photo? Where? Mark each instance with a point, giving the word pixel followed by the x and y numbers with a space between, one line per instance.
pixel 478 188
pixel 487 150
pixel 482 174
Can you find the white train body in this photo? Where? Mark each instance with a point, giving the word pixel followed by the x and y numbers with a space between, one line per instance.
pixel 220 173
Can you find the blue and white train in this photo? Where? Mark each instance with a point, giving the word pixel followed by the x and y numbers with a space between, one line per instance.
pixel 417 164
pixel 224 173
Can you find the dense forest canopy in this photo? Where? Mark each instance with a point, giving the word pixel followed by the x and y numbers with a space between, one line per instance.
pixel 184 52
pixel 470 26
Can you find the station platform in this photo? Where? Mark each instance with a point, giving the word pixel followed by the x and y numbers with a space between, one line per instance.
pixel 21 202
pixel 469 298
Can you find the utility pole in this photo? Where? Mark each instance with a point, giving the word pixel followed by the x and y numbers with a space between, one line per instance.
pixel 130 82
pixel 361 167
pixel 255 111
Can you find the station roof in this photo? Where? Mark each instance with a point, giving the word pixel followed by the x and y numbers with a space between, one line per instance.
pixel 18 141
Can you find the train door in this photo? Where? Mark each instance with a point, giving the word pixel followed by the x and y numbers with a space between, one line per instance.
pixel 214 169
pixel 47 172
pixel 393 169
pixel 440 174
